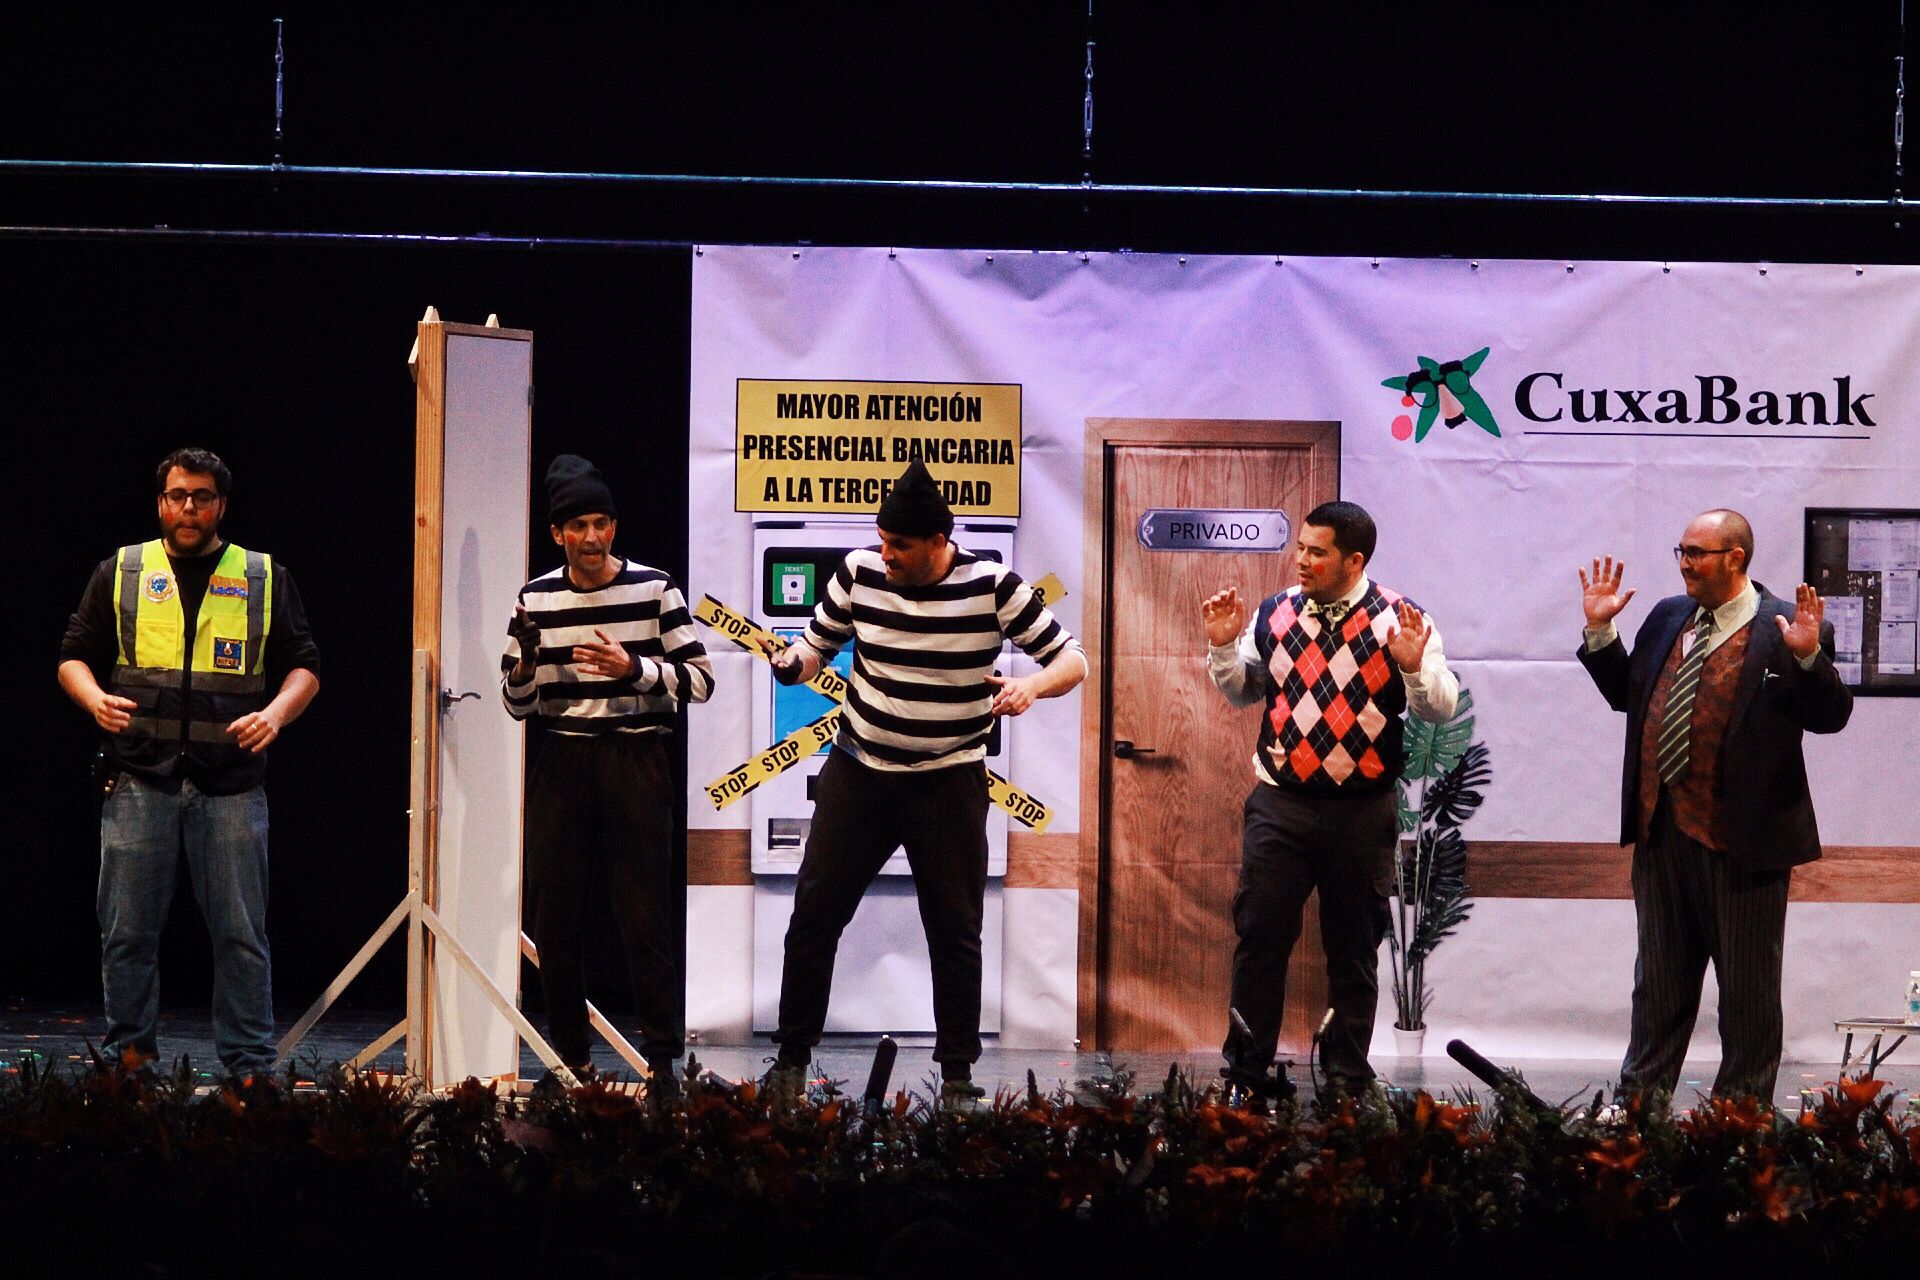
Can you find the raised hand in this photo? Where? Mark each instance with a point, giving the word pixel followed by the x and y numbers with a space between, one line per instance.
pixel 1600 595
pixel 1803 633
pixel 526 632
pixel 606 659
pixel 1408 643
pixel 1225 616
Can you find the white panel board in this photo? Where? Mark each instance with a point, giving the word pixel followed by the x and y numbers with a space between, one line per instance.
pixel 482 749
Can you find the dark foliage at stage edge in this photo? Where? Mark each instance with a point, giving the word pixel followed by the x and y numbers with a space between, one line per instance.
pixel 732 1179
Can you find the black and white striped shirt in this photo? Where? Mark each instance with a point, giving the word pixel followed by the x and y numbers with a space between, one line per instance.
pixel 641 609
pixel 918 698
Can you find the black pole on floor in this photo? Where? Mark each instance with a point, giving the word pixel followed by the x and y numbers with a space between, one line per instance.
pixel 882 1073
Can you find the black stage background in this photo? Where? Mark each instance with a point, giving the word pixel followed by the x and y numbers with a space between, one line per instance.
pixel 286 356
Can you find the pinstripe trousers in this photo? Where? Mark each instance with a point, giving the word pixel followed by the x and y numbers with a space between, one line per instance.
pixel 1692 905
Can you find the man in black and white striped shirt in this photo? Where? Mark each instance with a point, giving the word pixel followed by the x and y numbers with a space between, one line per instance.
pixel 603 654
pixel 907 768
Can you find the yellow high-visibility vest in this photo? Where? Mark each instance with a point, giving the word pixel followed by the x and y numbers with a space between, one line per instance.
pixel 221 669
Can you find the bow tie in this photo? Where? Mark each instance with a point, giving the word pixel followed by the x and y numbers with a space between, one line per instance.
pixel 1333 611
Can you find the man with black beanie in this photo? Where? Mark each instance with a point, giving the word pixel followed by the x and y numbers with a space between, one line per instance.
pixel 907 769
pixel 603 653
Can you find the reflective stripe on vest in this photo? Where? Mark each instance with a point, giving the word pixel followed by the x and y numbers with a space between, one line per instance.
pixel 228 652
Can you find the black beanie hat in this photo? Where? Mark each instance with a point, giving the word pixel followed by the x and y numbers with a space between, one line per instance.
pixel 574 488
pixel 914 507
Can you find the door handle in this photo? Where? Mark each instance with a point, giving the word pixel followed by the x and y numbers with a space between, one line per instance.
pixel 1124 750
pixel 448 697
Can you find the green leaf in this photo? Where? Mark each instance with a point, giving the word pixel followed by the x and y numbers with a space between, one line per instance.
pixel 1453 799
pixel 1409 816
pixel 1477 411
pixel 1429 410
pixel 1428 363
pixel 1472 363
pixel 1432 749
pixel 1396 384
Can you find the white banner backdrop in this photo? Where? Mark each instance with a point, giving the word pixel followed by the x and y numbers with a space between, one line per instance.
pixel 1627 397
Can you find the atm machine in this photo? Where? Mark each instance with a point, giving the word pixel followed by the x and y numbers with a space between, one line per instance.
pixel 882 981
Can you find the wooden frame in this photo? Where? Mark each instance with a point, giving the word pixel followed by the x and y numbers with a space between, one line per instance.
pixel 1102 434
pixel 427 934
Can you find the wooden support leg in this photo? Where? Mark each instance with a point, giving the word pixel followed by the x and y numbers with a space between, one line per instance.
pixel 443 936
pixel 360 958
pixel 599 1021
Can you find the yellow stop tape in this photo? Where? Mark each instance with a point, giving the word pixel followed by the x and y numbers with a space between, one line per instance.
pixel 742 779
pixel 764 644
pixel 774 761
pixel 1021 806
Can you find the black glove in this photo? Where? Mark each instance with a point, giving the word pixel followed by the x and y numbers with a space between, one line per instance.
pixel 525 630
pixel 788 669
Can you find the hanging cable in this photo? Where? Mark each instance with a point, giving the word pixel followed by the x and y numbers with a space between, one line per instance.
pixel 1086 110
pixel 279 90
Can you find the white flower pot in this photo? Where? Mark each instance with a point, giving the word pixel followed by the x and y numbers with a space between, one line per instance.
pixel 1408 1044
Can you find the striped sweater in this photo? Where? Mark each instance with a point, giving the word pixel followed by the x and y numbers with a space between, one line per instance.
pixel 918 698
pixel 641 609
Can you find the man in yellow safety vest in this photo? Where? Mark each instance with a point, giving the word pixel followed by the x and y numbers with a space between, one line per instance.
pixel 192 654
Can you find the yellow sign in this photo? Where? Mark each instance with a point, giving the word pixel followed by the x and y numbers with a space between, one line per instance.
pixel 837 447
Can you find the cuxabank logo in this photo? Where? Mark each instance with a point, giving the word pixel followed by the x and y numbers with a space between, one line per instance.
pixel 1442 389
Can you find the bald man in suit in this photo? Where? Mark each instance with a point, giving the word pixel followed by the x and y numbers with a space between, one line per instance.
pixel 1719 687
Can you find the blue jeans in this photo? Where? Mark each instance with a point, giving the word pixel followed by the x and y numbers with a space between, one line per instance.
pixel 142 831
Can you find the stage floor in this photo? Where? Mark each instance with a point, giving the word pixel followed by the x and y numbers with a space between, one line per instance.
pixel 60 1035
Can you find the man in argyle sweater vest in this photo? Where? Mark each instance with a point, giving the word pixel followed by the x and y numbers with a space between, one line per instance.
pixel 1337 659
pixel 1719 688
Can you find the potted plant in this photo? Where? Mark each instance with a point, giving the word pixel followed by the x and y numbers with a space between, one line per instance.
pixel 1431 898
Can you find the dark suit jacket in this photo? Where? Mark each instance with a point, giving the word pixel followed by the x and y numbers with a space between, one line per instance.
pixel 1763 777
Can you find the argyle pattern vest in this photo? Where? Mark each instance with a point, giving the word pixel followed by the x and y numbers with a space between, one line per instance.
pixel 1335 699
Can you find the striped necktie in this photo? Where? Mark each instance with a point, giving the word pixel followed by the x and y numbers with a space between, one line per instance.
pixel 1674 746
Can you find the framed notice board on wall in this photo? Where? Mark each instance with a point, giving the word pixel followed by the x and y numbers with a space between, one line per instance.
pixel 1865 563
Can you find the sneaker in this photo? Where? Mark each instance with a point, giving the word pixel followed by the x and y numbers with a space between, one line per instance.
pixel 785 1083
pixel 960 1095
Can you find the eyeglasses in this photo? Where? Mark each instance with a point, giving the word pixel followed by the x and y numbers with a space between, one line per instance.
pixel 1693 555
pixel 197 497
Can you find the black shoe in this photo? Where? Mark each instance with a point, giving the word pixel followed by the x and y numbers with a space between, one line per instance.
pixel 550 1085
pixel 1242 1096
pixel 1245 1088
pixel 663 1086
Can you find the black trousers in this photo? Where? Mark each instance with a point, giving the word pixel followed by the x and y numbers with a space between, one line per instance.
pixel 1292 844
pixel 1692 905
pixel 607 798
pixel 860 815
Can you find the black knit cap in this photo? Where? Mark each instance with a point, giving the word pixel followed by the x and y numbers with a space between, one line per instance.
pixel 574 488
pixel 914 507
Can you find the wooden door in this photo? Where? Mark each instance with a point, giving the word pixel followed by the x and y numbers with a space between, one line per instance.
pixel 1170 820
